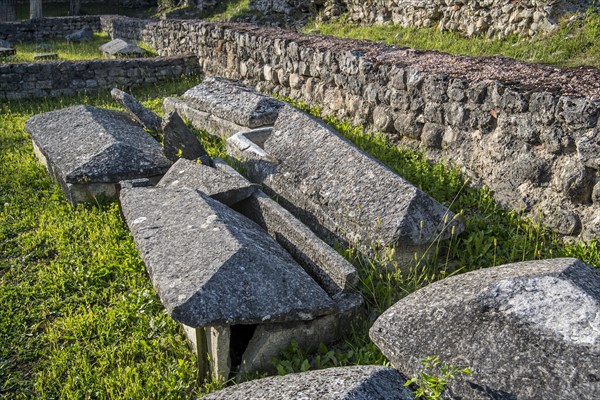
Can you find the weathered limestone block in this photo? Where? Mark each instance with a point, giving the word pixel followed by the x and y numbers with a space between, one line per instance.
pixel 81 35
pixel 233 102
pixel 212 266
pixel 223 187
pixel 342 383
pixel 88 150
pixel 121 48
pixel 138 112
pixel 339 191
pixel 180 142
pixel 528 330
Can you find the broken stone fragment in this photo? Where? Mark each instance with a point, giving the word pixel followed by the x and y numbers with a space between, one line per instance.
pixel 7 51
pixel 45 56
pixel 121 48
pixel 87 165
pixel 342 383
pixel 528 330
pixel 138 112
pixel 212 266
pixel 225 188
pixel 81 35
pixel 180 142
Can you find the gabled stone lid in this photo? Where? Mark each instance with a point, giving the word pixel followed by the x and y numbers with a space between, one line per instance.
pixel 344 190
pixel 212 266
pixel 88 144
pixel 221 186
pixel 233 101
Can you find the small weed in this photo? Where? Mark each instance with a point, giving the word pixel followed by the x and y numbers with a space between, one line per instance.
pixel 433 381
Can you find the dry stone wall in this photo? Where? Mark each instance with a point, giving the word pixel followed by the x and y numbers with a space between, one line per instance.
pixel 65 78
pixel 528 131
pixel 487 17
pixel 46 28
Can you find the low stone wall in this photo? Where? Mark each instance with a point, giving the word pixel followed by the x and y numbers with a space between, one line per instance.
pixel 528 131
pixel 46 28
pixel 488 17
pixel 65 78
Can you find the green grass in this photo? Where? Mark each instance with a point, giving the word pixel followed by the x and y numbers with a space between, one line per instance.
pixel 79 317
pixel 574 44
pixel 87 50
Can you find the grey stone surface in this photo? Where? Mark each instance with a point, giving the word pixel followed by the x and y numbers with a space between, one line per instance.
pixel 323 263
pixel 212 266
pixel 45 56
pixel 81 35
pixel 5 44
pixel 84 145
pixel 343 383
pixel 342 193
pixel 223 187
pixel 138 112
pixel 121 48
pixel 233 102
pixel 179 141
pixel 7 51
pixel 201 119
pixel 272 339
pixel 528 330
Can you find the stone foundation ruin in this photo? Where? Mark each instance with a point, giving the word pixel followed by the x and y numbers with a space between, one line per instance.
pixel 245 276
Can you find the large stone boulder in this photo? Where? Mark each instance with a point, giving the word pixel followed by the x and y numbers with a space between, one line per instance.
pixel 341 192
pixel 343 383
pixel 88 150
pixel 528 330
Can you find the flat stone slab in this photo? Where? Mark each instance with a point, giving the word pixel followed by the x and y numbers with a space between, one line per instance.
pixel 138 112
pixel 225 188
pixel 234 102
pixel 528 330
pixel 342 383
pixel 45 56
pixel 212 266
pixel 342 193
pixel 7 51
pixel 83 145
pixel 120 47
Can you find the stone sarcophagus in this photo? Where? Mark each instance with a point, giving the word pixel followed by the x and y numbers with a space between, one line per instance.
pixel 242 275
